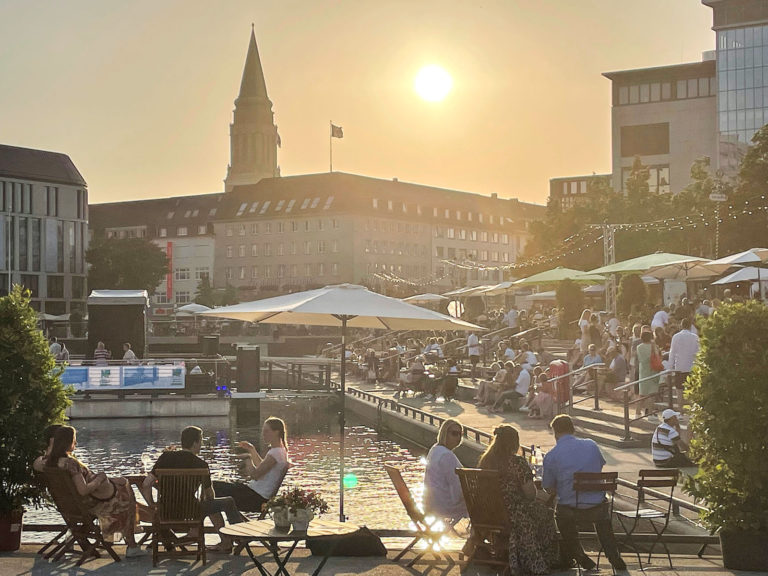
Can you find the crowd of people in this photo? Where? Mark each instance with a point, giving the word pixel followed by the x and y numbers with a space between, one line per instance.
pixel 113 500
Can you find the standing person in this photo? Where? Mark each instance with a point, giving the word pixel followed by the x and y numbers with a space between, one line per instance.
pixel 682 354
pixel 634 342
pixel 101 355
pixel 112 499
pixel 660 319
pixel 667 448
pixel 63 355
pixel 571 455
pixel 511 319
pixel 55 347
pixel 473 349
pixel 129 357
pixel 188 458
pixel 613 325
pixel 532 542
pixel 265 473
pixel 650 387
pixel 584 329
pixel 442 490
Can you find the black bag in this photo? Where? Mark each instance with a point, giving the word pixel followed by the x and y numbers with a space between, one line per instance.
pixel 363 542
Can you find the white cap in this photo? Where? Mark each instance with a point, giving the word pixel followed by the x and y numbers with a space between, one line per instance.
pixel 669 413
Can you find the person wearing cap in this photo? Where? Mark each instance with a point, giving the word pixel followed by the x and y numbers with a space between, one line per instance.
pixel 667 448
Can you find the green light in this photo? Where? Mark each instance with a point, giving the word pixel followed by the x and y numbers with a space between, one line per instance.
pixel 350 481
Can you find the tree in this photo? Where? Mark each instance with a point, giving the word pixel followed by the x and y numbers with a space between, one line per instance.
pixel 229 296
pixel 205 293
pixel 632 293
pixel 32 397
pixel 570 300
pixel 125 264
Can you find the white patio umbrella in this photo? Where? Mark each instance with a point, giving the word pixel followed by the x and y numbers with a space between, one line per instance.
pixel 425 298
pixel 750 274
pixel 347 306
pixel 754 256
pixel 500 288
pixel 192 308
pixel 691 268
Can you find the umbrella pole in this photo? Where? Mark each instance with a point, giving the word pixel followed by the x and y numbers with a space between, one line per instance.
pixel 342 415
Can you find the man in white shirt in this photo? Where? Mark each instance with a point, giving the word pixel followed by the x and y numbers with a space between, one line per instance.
pixel 511 318
pixel 682 354
pixel 129 357
pixel 660 319
pixel 522 380
pixel 55 347
pixel 667 448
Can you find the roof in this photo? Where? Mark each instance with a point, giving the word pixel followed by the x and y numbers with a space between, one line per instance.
pixel 661 73
pixel 38 165
pixel 156 212
pixel 253 84
pixel 339 192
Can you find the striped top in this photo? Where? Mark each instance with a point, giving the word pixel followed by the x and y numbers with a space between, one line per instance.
pixel 101 356
pixel 664 442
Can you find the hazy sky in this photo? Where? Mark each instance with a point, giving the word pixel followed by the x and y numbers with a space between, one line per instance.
pixel 139 93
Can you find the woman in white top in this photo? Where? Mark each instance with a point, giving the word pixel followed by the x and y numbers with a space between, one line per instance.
pixel 584 329
pixel 442 491
pixel 266 474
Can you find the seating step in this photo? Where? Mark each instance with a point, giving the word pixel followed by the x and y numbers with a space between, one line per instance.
pixel 613 418
pixel 609 439
pixel 610 428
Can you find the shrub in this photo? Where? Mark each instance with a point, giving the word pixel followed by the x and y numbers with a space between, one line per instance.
pixel 31 395
pixel 729 418
pixel 632 294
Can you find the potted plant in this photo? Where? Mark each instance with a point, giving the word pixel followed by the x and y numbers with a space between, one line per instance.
pixel 298 505
pixel 32 398
pixel 729 423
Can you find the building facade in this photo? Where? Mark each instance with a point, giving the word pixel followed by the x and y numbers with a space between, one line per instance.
pixel 43 228
pixel 570 191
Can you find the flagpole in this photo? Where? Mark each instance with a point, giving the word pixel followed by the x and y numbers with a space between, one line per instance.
pixel 330 145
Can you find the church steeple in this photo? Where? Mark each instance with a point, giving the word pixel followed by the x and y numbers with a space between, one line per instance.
pixel 253 135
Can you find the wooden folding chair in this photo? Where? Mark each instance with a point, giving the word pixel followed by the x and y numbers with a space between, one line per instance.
pixel 630 519
pixel 425 530
pixel 178 510
pixel 606 482
pixel 73 507
pixel 487 514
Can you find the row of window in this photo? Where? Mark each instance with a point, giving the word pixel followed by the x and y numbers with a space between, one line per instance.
pixel 411 270
pixel 659 91
pixel 399 248
pixel 184 231
pixel 738 38
pixel 47 244
pixel 191 213
pixel 135 232
pixel 179 296
pixel 280 227
pixel 658 179
pixel 17 197
pixel 452 253
pixel 184 273
pixel 731 80
pixel 446 213
pixel 262 207
pixel 393 226
pixel 476 235
pixel 54 285
pixel 281 271
pixel 749 120
pixel 309 247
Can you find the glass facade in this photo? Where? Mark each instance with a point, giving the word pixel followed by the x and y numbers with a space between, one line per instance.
pixel 742 72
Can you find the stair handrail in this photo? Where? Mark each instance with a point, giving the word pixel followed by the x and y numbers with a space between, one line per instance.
pixel 625 388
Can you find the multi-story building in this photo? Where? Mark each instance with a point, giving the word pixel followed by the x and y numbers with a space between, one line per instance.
pixel 44 228
pixel 666 116
pixel 182 227
pixel 570 191
pixel 302 231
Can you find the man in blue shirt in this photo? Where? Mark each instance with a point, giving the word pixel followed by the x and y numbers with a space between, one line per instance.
pixel 571 455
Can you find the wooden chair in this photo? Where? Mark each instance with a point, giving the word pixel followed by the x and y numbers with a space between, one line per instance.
pixel 73 507
pixel 178 510
pixel 606 482
pixel 425 530
pixel 630 519
pixel 487 514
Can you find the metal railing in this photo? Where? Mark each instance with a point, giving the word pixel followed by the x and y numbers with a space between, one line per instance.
pixel 625 388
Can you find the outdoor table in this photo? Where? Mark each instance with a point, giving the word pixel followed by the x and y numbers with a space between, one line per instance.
pixel 264 531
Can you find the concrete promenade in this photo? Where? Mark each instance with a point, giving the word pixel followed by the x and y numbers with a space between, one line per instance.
pixel 26 562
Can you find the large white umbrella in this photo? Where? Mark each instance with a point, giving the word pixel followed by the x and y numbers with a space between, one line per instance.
pixel 559 274
pixel 347 306
pixel 641 264
pixel 192 308
pixel 690 268
pixel 741 275
pixel 755 256
pixel 425 298
pixel 500 288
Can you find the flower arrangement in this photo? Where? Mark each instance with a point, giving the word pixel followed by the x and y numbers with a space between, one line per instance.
pixel 296 498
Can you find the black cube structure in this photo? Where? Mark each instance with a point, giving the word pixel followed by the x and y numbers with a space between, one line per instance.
pixel 248 369
pixel 116 317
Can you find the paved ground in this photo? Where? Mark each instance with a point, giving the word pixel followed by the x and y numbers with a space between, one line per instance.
pixel 26 562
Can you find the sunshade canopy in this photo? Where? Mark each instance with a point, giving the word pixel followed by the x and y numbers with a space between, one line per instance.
pixel 743 275
pixel 641 263
pixel 425 298
pixel 326 307
pixel 683 270
pixel 748 257
pixel 501 288
pixel 558 275
pixel 192 308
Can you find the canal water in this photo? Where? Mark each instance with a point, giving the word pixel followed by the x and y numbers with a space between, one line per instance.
pixel 131 446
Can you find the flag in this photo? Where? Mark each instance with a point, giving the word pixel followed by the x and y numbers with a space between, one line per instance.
pixel 336 131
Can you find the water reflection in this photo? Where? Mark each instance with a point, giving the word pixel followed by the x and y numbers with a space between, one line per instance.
pixel 130 446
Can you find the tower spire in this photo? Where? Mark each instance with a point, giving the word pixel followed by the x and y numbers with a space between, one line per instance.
pixel 253 138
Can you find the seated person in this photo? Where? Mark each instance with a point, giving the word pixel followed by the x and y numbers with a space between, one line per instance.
pixel 443 497
pixel 493 387
pixel 111 499
pixel 522 380
pixel 542 404
pixel 526 358
pixel 590 358
pixel 667 448
pixel 265 474
pixel 618 366
pixel 188 459
pixel 450 380
pixel 50 431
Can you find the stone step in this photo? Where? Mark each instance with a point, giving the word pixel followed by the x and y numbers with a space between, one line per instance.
pixel 613 418
pixel 610 428
pixel 609 439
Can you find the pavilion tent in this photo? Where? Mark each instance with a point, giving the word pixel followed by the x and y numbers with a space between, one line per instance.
pixel 558 275
pixel 346 306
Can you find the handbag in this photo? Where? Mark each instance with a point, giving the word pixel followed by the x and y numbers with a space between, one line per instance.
pixel 363 542
pixel 656 363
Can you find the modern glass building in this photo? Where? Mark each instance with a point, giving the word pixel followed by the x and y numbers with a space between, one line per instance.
pixel 741 27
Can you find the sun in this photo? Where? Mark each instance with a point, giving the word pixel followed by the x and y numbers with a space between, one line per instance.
pixel 432 83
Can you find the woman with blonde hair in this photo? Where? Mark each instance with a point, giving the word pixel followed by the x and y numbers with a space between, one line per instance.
pixel 442 491
pixel 532 543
